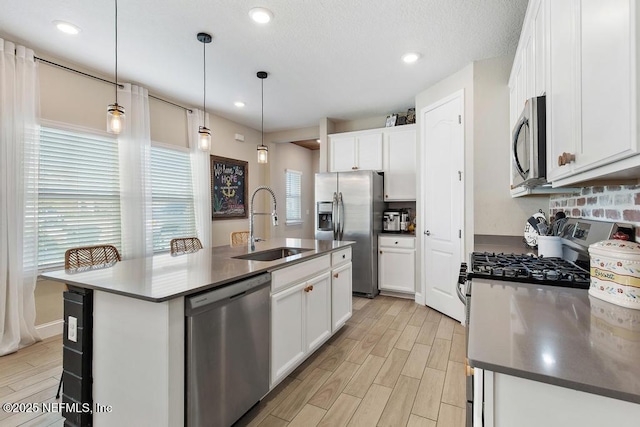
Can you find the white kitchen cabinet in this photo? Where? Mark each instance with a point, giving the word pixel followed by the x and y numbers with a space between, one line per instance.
pixel 391 150
pixel 303 304
pixel 341 289
pixel 317 311
pixel 515 401
pixel 288 345
pixel 396 264
pixel 562 97
pixel 343 153
pixel 593 98
pixel 355 151
pixel 399 163
pixel 300 322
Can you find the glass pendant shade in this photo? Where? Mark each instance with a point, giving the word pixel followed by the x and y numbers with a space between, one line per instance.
pixel 204 138
pixel 115 118
pixel 263 151
pixel 263 154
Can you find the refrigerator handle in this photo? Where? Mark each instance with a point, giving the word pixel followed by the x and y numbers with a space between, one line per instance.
pixel 341 216
pixel 335 214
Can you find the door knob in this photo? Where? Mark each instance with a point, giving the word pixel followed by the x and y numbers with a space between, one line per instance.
pixel 427 233
pixel 336 275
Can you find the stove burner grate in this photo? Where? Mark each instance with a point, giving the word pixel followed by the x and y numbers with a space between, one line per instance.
pixel 528 268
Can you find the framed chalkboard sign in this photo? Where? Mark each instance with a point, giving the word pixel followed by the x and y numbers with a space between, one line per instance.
pixel 229 187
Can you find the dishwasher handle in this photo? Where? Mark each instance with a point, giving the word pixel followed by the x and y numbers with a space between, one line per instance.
pixel 201 302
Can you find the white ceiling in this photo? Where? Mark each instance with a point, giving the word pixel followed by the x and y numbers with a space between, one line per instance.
pixel 326 58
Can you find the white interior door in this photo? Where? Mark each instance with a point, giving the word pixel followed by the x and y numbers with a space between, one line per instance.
pixel 443 142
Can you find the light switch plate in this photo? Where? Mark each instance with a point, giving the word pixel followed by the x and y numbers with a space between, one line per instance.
pixel 72 332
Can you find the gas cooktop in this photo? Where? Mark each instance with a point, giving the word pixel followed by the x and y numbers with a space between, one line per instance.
pixel 528 269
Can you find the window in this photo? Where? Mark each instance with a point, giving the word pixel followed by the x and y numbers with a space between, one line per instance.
pixel 78 193
pixel 172 197
pixel 293 191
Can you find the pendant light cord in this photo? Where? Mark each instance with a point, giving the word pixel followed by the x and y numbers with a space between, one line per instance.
pixel 116 1
pixel 262 121
pixel 204 78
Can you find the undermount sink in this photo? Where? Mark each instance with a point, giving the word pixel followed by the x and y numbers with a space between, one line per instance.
pixel 272 254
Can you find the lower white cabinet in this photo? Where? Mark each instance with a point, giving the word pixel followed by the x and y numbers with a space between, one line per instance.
pixel 288 346
pixel 396 264
pixel 309 302
pixel 300 322
pixel 514 401
pixel 317 311
pixel 341 298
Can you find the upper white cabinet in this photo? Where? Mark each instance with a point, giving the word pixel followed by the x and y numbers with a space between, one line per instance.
pixel 399 163
pixel 355 151
pixel 528 74
pixel 391 150
pixel 592 98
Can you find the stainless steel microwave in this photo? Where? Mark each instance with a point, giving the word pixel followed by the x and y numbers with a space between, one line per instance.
pixel 529 145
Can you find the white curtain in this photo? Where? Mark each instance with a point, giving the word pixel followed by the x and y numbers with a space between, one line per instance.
pixel 19 141
pixel 134 150
pixel 201 177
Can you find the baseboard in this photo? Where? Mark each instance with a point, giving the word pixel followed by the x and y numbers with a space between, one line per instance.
pixel 51 329
pixel 396 294
pixel 420 299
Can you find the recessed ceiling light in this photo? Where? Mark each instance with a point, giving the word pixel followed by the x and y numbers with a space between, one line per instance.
pixel 239 104
pixel 261 15
pixel 410 57
pixel 67 27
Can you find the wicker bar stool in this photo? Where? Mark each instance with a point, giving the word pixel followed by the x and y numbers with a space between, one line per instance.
pixel 185 245
pixel 91 257
pixel 87 258
pixel 239 238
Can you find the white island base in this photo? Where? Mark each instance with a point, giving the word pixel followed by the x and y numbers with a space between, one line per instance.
pixel 138 361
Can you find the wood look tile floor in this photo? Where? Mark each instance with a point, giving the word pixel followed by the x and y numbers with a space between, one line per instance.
pixel 31 375
pixel 395 363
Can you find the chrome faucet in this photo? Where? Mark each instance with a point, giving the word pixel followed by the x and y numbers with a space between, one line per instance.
pixel 274 214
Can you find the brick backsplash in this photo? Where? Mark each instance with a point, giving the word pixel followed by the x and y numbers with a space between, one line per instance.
pixel 605 203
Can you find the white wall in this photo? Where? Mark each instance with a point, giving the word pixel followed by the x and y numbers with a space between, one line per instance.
pixel 495 212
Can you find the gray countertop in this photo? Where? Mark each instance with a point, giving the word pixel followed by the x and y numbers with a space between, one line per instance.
pixel 163 277
pixel 555 335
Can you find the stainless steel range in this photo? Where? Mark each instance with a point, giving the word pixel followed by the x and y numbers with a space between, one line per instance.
pixel 569 271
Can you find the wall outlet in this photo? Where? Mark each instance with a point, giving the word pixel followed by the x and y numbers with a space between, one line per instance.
pixel 72 331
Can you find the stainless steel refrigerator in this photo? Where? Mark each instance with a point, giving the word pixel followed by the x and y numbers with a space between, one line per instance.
pixel 349 206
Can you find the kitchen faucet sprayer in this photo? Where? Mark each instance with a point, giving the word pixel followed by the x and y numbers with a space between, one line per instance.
pixel 274 214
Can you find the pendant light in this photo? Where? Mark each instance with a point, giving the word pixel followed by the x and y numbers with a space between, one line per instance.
pixel 115 112
pixel 263 151
pixel 204 134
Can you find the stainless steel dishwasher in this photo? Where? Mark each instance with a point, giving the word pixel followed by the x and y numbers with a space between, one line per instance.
pixel 227 354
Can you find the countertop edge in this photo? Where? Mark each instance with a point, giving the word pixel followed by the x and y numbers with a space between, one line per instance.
pixel 587 388
pixel 222 283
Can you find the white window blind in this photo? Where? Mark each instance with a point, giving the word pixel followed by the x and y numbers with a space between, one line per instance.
pixel 172 197
pixel 78 194
pixel 293 191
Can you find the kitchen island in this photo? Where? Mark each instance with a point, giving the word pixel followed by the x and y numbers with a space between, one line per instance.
pixel 139 319
pixel 554 356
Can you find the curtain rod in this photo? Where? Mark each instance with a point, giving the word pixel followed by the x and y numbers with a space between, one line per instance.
pixel 104 80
